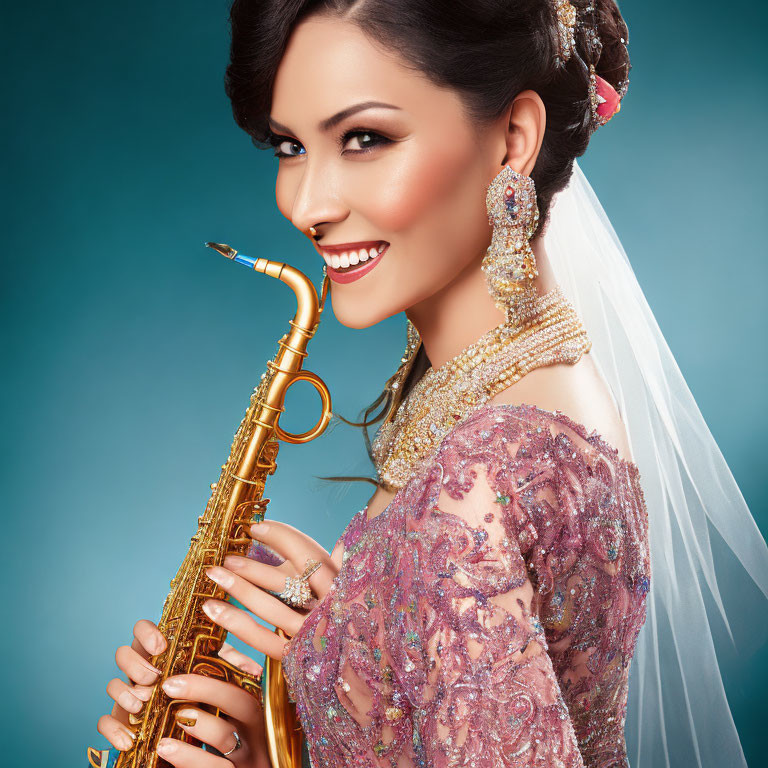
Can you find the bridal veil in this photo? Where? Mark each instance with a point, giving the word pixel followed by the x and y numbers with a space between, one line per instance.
pixel 706 550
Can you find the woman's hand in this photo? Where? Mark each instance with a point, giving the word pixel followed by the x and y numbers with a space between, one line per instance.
pixel 133 661
pixel 244 712
pixel 249 580
pixel 244 716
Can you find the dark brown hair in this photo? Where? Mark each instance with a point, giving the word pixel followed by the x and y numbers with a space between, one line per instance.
pixel 486 50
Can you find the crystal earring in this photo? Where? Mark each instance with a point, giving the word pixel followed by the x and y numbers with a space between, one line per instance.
pixel 509 263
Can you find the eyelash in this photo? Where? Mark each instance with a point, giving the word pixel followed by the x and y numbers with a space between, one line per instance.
pixel 275 140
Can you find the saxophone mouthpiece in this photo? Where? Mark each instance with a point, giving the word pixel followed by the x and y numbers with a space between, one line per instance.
pixel 233 255
pixel 224 250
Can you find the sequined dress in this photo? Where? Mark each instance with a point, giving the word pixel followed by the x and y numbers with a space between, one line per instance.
pixel 488 616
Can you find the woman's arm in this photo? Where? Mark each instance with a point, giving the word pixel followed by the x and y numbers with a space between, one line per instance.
pixel 486 686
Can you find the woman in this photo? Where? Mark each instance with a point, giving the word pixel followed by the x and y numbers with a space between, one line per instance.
pixel 485 607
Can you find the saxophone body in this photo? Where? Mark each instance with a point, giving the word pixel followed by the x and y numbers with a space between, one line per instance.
pixel 237 500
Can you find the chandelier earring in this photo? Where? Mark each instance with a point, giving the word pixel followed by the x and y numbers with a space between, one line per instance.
pixel 509 264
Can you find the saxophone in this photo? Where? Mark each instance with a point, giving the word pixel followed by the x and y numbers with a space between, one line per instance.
pixel 237 500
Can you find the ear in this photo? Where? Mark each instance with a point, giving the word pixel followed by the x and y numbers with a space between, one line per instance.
pixel 526 120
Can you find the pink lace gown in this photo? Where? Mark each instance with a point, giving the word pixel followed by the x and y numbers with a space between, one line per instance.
pixel 489 615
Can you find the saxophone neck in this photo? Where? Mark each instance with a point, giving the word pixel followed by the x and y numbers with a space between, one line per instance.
pixel 309 306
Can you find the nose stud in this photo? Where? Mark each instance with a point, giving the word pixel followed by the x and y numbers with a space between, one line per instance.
pixel 313 232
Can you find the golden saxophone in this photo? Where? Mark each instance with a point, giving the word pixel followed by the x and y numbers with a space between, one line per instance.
pixel 237 500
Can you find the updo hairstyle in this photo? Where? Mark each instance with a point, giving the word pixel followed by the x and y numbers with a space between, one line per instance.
pixel 487 50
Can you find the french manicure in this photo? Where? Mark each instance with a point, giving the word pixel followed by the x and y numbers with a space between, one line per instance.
pixel 166 747
pixel 233 562
pixel 220 576
pixel 213 609
pixel 174 687
pixel 143 693
pixel 151 667
pixel 158 644
pixel 123 741
pixel 129 702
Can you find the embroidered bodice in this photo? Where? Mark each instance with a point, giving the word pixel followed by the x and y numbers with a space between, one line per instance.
pixel 488 616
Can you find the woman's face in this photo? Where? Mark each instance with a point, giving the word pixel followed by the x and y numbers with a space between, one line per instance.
pixel 412 175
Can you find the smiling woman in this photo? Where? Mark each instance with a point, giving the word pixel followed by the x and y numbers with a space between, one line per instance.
pixel 543 473
pixel 429 168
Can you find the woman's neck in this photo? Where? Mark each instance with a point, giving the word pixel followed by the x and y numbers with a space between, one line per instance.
pixel 459 314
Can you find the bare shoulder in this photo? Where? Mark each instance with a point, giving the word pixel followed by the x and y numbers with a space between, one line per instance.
pixel 580 392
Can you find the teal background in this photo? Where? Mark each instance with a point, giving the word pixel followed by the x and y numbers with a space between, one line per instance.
pixel 129 350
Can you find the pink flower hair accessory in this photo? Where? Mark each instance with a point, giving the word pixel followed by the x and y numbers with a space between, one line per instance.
pixel 604 99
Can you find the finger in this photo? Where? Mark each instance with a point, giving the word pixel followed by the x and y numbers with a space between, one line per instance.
pixel 265 576
pixel 257 601
pixel 240 660
pixel 186 756
pixel 131 699
pixel 148 640
pixel 295 546
pixel 133 664
pixel 212 730
pixel 228 697
pixel 142 692
pixel 241 625
pixel 116 733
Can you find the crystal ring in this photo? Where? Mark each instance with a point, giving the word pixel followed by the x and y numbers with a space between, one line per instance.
pixel 297 591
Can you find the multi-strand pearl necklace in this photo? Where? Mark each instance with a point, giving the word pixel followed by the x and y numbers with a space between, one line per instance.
pixel 542 331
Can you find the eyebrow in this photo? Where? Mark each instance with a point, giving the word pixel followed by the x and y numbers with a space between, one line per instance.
pixel 334 120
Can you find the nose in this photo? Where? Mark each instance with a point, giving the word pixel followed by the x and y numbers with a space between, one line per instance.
pixel 317 199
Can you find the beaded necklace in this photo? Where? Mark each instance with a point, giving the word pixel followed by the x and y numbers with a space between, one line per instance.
pixel 541 331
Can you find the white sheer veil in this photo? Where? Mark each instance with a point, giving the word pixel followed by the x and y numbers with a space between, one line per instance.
pixel 708 558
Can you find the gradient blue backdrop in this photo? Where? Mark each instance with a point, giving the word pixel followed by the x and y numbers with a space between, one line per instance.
pixel 129 350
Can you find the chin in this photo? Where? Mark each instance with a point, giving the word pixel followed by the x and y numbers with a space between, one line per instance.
pixel 359 314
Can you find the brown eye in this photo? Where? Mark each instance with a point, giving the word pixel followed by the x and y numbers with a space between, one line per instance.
pixel 366 139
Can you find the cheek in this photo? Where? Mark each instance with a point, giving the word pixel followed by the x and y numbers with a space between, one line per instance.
pixel 433 203
pixel 417 187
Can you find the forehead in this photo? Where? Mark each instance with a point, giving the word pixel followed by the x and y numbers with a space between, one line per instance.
pixel 330 64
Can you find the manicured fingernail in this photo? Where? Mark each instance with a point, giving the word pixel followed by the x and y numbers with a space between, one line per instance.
pixel 220 576
pixel 213 609
pixel 233 562
pixel 151 667
pixel 174 687
pixel 186 717
pixel 166 747
pixel 157 643
pixel 141 692
pixel 128 702
pixel 257 528
pixel 123 741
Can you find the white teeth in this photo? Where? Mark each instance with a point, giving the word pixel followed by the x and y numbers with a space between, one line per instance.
pixel 351 258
